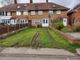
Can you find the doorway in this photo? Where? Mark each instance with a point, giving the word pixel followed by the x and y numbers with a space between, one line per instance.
pixel 30 23
pixel 45 22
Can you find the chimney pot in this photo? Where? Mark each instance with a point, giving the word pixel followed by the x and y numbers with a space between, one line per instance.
pixel 31 1
pixel 46 1
pixel 15 1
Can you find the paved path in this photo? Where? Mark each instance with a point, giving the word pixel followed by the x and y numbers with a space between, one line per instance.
pixel 36 54
pixel 36 58
pixel 42 51
pixel 74 35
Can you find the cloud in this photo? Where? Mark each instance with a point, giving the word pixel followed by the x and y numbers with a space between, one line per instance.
pixel 66 3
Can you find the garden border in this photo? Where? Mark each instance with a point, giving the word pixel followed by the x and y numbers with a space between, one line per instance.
pixel 69 38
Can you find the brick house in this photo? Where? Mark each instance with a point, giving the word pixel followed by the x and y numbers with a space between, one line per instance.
pixel 35 13
pixel 74 15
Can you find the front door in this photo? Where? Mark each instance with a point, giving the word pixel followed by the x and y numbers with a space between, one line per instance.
pixel 30 23
pixel 45 23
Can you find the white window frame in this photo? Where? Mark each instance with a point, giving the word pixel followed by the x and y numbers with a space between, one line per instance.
pixel 58 12
pixel 18 12
pixel 8 13
pixel 50 12
pixel 33 13
pixel 4 13
pixel 40 12
pixel 25 12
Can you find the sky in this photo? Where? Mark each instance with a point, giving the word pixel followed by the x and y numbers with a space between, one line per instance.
pixel 67 3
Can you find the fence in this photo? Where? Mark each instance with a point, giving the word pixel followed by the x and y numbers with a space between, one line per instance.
pixel 9 28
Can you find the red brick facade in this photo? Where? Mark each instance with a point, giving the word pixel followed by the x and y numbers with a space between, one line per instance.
pixel 74 15
pixel 44 7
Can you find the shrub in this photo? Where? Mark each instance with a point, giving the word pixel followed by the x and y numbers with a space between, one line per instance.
pixel 76 27
pixel 58 25
pixel 66 29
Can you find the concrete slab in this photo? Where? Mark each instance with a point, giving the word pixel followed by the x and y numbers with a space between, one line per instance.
pixel 41 51
pixel 74 35
pixel 78 51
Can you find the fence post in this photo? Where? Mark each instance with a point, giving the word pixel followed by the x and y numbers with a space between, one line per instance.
pixel 8 28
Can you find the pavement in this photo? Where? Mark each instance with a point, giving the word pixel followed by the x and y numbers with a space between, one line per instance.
pixel 36 54
pixel 78 51
pixel 41 51
pixel 74 35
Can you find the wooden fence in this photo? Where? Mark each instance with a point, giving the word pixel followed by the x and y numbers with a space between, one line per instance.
pixel 6 29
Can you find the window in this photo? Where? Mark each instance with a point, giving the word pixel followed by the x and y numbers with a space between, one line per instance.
pixel 43 21
pixel 58 12
pixel 40 12
pixel 4 13
pixel 25 13
pixel 18 13
pixel 33 13
pixel 46 21
pixel 50 12
pixel 36 21
pixel 8 14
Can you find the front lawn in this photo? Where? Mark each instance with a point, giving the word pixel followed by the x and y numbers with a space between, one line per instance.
pixel 46 40
pixel 62 42
pixel 20 39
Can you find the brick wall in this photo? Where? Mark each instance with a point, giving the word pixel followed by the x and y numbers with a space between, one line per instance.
pixel 45 15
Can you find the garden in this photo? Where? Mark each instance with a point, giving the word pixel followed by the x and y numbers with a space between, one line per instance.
pixel 59 25
pixel 38 38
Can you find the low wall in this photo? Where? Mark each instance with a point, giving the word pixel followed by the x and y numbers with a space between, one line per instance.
pixel 70 39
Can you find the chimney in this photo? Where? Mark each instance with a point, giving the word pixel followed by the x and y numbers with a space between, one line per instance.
pixel 31 1
pixel 15 1
pixel 46 1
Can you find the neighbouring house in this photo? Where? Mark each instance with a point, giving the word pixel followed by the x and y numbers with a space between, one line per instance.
pixel 9 20
pixel 36 14
pixel 74 15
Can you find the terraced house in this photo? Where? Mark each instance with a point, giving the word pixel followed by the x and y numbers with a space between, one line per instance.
pixel 35 14
pixel 74 15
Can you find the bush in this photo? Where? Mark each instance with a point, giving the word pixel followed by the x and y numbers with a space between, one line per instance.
pixel 58 25
pixel 66 29
pixel 76 27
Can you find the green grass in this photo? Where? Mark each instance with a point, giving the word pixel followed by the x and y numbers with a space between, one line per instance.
pixel 22 38
pixel 45 40
pixel 63 43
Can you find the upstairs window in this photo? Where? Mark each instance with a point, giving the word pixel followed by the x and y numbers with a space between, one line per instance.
pixel 58 12
pixel 8 13
pixel 50 12
pixel 4 13
pixel 25 13
pixel 40 12
pixel 33 12
pixel 18 13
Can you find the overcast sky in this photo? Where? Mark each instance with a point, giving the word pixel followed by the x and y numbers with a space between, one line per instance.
pixel 67 3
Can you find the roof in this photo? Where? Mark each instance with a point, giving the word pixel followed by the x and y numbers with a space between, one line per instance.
pixel 77 7
pixel 32 6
